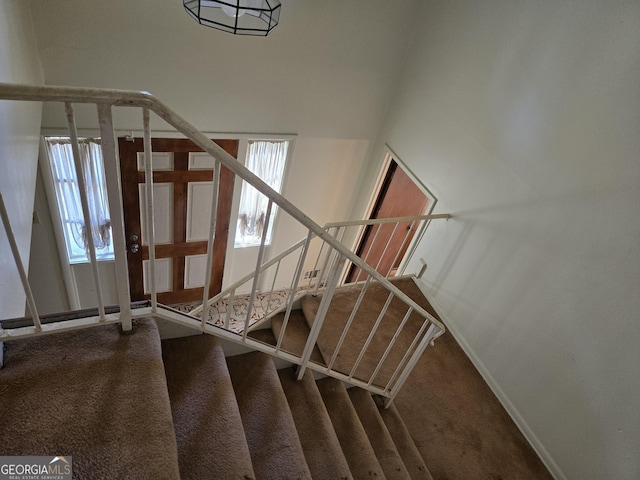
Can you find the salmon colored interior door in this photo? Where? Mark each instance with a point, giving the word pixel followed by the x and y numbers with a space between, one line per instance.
pixel 399 196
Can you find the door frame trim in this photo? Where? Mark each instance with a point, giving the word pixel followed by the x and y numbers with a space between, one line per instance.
pixel 390 155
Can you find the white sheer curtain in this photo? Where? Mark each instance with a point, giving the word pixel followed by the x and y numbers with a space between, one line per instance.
pixel 68 193
pixel 267 160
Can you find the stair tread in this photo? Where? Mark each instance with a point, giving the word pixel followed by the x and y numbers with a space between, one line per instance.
pixel 264 335
pixel 342 304
pixel 407 448
pixel 269 427
pixel 381 441
pixel 296 335
pixel 362 460
pixel 94 394
pixel 318 438
pixel 206 417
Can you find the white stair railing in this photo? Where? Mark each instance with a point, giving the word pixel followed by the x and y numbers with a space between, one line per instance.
pixel 11 238
pixel 393 238
pixel 351 229
pixel 332 270
pixel 332 258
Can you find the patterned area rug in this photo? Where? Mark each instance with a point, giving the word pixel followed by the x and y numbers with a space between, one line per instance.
pixel 264 304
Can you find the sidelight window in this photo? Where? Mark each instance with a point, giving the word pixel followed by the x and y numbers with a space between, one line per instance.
pixel 267 160
pixel 65 182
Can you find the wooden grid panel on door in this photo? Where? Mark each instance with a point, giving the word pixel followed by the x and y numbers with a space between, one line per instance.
pixel 182 168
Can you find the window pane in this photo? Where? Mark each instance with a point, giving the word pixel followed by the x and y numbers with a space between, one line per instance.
pixel 267 160
pixel 68 198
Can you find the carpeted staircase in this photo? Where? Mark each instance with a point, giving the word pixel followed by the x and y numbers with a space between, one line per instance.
pixel 96 395
pixel 130 406
pixel 105 399
pixel 274 426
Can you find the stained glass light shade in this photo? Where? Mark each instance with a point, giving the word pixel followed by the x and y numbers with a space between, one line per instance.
pixel 240 17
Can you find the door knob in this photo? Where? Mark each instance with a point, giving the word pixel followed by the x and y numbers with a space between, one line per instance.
pixel 134 248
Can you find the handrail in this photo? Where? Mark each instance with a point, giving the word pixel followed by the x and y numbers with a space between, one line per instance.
pixel 377 221
pixel 49 93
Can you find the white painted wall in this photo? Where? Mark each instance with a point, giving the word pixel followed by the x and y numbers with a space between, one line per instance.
pixel 524 119
pixel 45 268
pixel 319 180
pixel 19 128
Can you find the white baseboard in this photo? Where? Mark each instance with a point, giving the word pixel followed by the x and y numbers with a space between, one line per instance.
pixel 513 412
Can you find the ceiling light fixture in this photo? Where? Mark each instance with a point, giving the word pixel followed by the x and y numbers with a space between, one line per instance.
pixel 240 17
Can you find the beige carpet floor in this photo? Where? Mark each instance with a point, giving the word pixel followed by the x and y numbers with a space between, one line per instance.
pixel 460 428
pixel 318 438
pixel 206 418
pixel 457 423
pixel 95 395
pixel 269 427
pixel 366 317
pixel 361 457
